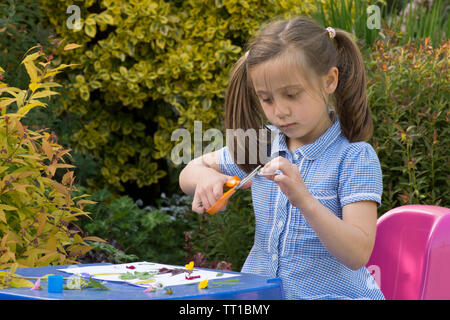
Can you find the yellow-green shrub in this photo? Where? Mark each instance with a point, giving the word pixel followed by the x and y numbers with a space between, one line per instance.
pixel 408 92
pixel 37 212
pixel 150 67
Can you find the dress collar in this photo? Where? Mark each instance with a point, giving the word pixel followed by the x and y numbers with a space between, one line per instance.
pixel 310 151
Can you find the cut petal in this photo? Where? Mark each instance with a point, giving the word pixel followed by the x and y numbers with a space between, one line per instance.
pixel 37 285
pixel 203 284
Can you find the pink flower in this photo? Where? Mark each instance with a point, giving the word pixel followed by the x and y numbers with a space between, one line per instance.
pixel 37 285
pixel 149 289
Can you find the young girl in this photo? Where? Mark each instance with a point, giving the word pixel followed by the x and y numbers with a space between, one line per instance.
pixel 316 200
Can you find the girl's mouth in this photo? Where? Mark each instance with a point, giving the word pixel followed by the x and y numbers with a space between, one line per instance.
pixel 287 125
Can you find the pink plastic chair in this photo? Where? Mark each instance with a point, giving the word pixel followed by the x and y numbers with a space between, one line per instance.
pixel 411 257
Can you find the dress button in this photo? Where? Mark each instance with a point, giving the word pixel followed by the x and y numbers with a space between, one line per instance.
pixel 280 224
pixel 274 257
pixel 295 156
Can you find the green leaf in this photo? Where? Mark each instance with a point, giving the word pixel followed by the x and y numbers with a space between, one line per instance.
pixel 25 109
pixel 21 283
pixel 127 276
pixel 31 70
pixel 32 57
pixel 43 94
pixel 90 30
pixel 108 19
pixel 91 283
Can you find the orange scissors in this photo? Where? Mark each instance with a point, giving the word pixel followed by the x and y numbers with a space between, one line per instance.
pixel 235 184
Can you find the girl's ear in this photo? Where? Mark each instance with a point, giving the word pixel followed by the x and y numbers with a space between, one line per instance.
pixel 331 80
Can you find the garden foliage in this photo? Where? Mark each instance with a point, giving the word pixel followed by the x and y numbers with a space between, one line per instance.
pixel 21 27
pixel 409 97
pixel 369 20
pixel 37 212
pixel 146 233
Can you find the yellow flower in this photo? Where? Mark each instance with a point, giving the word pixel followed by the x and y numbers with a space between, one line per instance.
pixel 203 284
pixel 190 265
pixel 403 136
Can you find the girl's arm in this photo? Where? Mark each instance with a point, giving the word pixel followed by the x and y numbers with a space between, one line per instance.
pixel 203 179
pixel 350 239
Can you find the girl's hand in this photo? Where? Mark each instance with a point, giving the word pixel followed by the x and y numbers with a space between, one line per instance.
pixel 290 182
pixel 209 189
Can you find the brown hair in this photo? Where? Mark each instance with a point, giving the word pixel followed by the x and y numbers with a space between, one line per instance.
pixel 316 52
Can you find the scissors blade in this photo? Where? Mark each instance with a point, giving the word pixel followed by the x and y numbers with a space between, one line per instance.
pixel 247 178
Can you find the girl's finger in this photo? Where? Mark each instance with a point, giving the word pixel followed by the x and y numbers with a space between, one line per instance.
pixel 197 205
pixel 282 165
pixel 209 199
pixel 217 192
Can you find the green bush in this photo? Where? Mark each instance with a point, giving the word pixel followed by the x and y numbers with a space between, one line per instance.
pixel 226 236
pixel 148 233
pixel 21 28
pixel 408 88
pixel 148 68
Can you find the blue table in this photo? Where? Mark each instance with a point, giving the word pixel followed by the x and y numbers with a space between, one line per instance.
pixel 249 287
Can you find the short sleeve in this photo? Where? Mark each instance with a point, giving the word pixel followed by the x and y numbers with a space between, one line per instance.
pixel 360 175
pixel 228 166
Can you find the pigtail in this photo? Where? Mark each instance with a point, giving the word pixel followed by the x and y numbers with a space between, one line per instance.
pixel 350 95
pixel 242 111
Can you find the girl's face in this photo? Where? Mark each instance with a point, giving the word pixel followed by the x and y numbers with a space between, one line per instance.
pixel 292 104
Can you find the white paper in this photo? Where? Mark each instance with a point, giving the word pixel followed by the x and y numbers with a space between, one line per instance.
pixel 112 273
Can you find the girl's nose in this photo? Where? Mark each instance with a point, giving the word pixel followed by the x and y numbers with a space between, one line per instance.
pixel 281 111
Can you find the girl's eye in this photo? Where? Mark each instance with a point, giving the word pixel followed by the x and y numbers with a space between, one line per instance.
pixel 266 100
pixel 292 95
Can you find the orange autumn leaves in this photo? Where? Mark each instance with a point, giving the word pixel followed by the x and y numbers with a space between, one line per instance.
pixel 37 209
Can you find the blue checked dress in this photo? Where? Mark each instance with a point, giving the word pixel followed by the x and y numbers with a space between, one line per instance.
pixel 337 173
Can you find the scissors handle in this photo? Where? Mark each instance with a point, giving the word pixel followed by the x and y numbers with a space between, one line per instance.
pixel 231 183
pixel 221 202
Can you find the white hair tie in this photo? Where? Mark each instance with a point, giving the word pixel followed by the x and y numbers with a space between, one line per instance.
pixel 331 32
